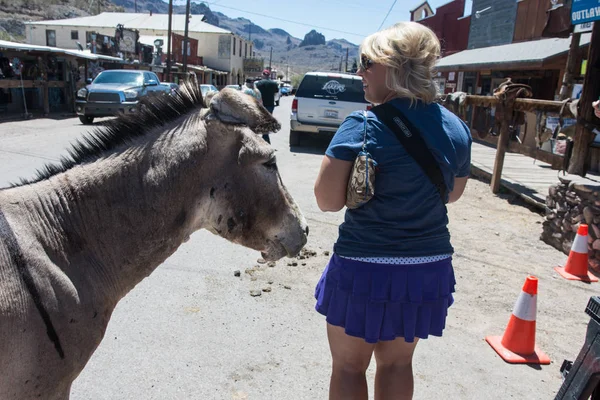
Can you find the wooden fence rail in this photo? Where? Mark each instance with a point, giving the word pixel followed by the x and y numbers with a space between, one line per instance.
pixel 509 107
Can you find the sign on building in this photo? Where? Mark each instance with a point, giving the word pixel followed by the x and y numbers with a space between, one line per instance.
pixel 253 66
pixel 581 28
pixel 225 46
pixel 583 11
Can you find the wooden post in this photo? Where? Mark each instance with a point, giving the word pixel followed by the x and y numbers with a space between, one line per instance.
pixel 591 89
pixel 567 81
pixel 507 111
pixel 42 63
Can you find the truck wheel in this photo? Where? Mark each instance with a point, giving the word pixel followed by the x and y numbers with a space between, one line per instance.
pixel 294 138
pixel 86 120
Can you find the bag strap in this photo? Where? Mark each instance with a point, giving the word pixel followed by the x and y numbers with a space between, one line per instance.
pixel 413 142
pixel 364 145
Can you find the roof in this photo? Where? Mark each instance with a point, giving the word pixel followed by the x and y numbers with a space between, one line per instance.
pixel 76 53
pixel 421 5
pixel 531 52
pixel 137 21
pixel 335 74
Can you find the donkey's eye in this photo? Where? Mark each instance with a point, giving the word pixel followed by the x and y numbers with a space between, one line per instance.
pixel 271 164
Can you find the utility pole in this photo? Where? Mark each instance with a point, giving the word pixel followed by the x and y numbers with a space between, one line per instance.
pixel 135 6
pixel 250 32
pixel 185 35
pixel 270 58
pixel 347 50
pixel 168 75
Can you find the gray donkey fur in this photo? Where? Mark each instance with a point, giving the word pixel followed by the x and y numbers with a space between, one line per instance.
pixel 80 236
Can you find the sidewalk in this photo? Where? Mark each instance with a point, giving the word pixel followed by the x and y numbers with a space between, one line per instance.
pixel 522 175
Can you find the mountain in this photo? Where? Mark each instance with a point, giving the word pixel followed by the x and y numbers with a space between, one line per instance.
pixel 284 52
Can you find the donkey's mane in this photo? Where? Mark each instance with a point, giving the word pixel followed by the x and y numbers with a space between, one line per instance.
pixel 155 112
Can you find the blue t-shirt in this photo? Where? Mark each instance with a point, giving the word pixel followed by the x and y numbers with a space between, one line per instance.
pixel 406 217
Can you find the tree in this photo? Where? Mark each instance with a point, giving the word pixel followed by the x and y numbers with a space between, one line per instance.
pixel 279 76
pixel 296 79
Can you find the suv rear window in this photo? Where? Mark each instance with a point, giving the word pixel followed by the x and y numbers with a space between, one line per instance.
pixel 332 88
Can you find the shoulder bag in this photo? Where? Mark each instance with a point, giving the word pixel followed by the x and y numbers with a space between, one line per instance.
pixel 361 184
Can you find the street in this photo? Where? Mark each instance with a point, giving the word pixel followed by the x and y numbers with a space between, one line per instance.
pixel 192 331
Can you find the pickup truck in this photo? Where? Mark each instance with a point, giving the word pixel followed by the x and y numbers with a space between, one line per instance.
pixel 116 91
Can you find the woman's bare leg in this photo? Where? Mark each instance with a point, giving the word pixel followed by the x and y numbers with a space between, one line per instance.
pixel 351 357
pixel 394 375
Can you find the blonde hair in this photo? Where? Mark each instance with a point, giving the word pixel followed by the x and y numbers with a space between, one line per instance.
pixel 410 51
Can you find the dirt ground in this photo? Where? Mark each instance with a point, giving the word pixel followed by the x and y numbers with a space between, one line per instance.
pixel 194 330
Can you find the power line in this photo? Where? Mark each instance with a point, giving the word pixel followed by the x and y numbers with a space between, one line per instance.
pixel 287 20
pixel 387 15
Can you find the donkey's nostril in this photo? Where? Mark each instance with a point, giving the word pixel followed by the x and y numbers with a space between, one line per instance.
pixel 306 230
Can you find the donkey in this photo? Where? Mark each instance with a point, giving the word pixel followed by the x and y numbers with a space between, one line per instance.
pixel 79 236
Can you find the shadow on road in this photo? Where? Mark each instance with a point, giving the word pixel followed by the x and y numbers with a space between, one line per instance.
pixel 312 144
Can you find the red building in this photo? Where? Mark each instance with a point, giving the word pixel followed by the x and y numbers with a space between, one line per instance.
pixel 448 23
pixel 192 57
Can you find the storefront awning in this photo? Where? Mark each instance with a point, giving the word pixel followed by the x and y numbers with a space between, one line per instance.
pixel 203 68
pixel 514 55
pixel 47 49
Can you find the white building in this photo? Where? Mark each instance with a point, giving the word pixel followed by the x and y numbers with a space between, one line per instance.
pixel 220 49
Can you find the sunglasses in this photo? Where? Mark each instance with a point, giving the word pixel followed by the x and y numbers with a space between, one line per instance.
pixel 365 62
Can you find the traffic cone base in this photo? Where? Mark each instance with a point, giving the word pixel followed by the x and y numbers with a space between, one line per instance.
pixel 537 357
pixel 517 345
pixel 576 267
pixel 584 278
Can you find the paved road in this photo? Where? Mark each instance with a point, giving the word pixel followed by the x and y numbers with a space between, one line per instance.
pixel 192 331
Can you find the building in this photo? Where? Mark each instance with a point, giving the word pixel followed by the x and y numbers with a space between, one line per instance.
pixel 448 22
pixel 492 22
pixel 506 39
pixel 220 50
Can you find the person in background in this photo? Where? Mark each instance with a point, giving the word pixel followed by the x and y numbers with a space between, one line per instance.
pixel 268 89
pixel 250 88
pixel 390 280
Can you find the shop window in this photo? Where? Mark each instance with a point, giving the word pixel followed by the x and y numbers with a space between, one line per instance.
pixel 234 46
pixel 246 50
pixel 74 35
pixel 50 38
pixel 240 47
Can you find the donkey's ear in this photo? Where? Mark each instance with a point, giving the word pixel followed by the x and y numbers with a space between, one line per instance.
pixel 235 107
pixel 254 149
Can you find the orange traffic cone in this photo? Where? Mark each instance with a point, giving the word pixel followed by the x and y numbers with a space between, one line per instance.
pixel 576 268
pixel 517 346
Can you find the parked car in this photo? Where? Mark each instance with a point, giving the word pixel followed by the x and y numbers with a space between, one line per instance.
pixel 173 87
pixel 286 89
pixel 205 88
pixel 323 100
pixel 238 87
pixel 116 91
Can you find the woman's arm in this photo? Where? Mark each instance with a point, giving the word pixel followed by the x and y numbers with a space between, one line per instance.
pixel 459 188
pixel 331 184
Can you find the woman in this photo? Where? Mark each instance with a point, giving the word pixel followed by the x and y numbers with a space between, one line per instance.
pixel 390 279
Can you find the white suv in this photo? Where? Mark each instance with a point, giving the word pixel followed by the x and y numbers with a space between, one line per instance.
pixel 323 101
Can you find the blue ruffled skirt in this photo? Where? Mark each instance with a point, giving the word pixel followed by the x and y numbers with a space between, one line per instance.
pixel 385 301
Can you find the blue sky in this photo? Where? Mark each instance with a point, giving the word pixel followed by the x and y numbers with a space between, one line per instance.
pixel 348 19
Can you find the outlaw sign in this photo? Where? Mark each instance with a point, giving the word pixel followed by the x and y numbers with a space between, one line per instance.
pixel 583 11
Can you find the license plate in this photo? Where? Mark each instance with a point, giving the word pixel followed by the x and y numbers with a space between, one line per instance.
pixel 331 114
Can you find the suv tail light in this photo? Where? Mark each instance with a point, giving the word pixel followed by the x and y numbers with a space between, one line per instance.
pixel 295 105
